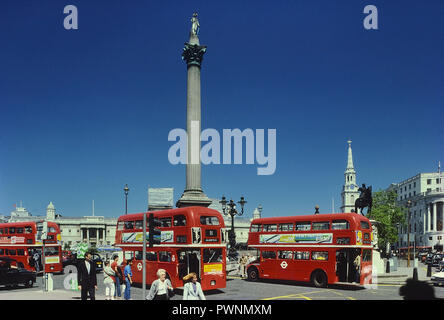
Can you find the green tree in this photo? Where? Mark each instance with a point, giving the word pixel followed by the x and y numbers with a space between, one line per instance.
pixel 93 249
pixel 389 214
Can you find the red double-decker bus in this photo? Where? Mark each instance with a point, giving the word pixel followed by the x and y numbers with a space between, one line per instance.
pixel 320 248
pixel 192 240
pixel 22 241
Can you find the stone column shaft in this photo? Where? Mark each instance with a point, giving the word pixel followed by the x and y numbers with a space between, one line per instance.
pixel 435 217
pixel 193 195
pixel 193 180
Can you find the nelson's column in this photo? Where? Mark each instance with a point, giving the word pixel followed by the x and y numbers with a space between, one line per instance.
pixel 193 55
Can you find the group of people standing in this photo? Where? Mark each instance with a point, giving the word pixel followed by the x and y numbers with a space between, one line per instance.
pixel 162 289
pixel 116 281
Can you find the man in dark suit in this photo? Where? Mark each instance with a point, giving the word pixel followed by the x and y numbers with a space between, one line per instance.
pixel 86 277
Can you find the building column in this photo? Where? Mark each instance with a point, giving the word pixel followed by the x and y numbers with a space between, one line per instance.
pixel 435 217
pixel 429 218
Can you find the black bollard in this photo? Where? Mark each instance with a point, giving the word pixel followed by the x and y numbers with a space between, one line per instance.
pixel 387 270
pixel 415 274
pixel 429 270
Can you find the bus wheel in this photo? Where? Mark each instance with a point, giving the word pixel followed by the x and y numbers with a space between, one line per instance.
pixel 319 279
pixel 253 274
pixel 29 283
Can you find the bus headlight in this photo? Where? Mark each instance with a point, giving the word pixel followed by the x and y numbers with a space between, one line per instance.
pixel 213 282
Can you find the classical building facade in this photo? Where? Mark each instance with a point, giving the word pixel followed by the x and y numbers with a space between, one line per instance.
pixel 96 231
pixel 425 191
pixel 350 191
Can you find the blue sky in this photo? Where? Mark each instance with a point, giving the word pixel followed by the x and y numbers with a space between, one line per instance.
pixel 83 112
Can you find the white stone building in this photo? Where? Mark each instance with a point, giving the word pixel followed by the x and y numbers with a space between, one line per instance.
pixel 350 191
pixel 426 194
pixel 96 231
pixel 20 212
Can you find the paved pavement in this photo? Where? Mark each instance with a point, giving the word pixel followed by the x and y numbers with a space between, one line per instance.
pixel 403 273
pixel 23 294
pixel 385 287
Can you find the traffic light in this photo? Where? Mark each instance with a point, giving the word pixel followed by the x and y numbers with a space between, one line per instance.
pixel 154 233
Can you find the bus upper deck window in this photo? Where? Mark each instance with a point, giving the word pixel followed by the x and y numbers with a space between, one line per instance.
pixel 165 222
pixel 340 225
pixel 324 225
pixel 270 227
pixel 179 221
pixel 139 224
pixel 255 227
pixel 129 225
pixel 286 227
pixel 365 225
pixel 28 229
pixel 303 226
pixel 12 230
pixel 209 220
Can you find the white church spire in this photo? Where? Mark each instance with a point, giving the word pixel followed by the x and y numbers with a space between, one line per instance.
pixel 350 189
pixel 350 157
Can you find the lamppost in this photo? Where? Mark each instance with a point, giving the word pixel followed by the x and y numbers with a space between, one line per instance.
pixel 231 211
pixel 409 204
pixel 126 190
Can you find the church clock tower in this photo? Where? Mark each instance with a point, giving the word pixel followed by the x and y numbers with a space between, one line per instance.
pixel 350 189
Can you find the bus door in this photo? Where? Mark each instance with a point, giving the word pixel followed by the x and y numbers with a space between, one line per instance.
pixel 345 267
pixel 35 259
pixel 268 264
pixel 189 261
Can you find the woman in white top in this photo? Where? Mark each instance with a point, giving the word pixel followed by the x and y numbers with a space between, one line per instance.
pixel 192 289
pixel 161 289
pixel 108 280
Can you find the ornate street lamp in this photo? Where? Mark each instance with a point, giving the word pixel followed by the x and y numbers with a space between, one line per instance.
pixel 126 190
pixel 230 209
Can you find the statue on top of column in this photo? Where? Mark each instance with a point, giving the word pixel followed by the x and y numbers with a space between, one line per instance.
pixel 195 26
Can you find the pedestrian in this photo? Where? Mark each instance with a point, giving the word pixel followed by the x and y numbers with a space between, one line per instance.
pixel 86 277
pixel 161 289
pixel 128 274
pixel 357 265
pixel 192 289
pixel 243 265
pixel 36 257
pixel 118 277
pixel 109 277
